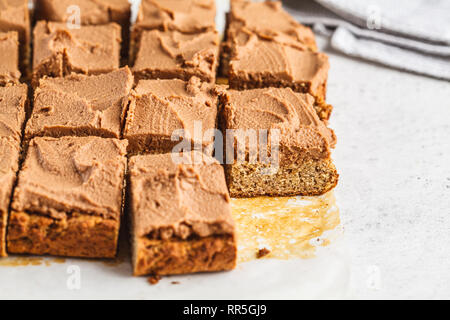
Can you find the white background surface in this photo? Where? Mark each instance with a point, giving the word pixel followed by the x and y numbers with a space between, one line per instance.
pixel 393 155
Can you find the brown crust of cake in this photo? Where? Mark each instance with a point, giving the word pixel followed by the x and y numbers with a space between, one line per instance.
pixel 310 178
pixel 3 221
pixel 162 257
pixel 77 235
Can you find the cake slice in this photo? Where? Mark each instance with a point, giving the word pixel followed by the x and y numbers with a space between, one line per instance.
pixel 159 109
pixel 260 63
pixel 92 12
pixel 80 105
pixel 185 16
pixel 275 144
pixel 60 50
pixel 9 58
pixel 14 106
pixel 15 16
pixel 68 200
pixel 180 215
pixel 9 164
pixel 175 55
pixel 268 20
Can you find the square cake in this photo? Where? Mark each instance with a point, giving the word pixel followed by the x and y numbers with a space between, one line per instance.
pixel 68 200
pixel 9 58
pixel 15 16
pixel 9 164
pixel 14 106
pixel 268 20
pixel 92 12
pixel 171 54
pixel 259 63
pixel 81 105
pixel 60 51
pixel 160 107
pixel 185 16
pixel 180 215
pixel 297 144
pixel 13 109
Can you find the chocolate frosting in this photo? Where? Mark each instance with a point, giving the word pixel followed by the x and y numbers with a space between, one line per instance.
pixel 179 200
pixel 9 164
pixel 159 107
pixel 187 16
pixel 13 104
pixel 269 21
pixel 72 175
pixel 177 53
pixel 88 50
pixel 9 57
pixel 303 134
pixel 81 104
pixel 93 12
pixel 255 59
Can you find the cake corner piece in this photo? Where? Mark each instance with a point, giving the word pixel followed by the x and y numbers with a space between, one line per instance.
pixel 78 214
pixel 196 233
pixel 296 157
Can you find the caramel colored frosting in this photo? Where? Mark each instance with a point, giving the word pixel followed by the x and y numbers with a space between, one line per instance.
pixel 179 200
pixel 269 21
pixel 59 50
pixel 9 164
pixel 187 16
pixel 93 12
pixel 303 134
pixel 159 107
pixel 9 57
pixel 72 175
pixel 13 105
pixel 172 54
pixel 81 105
pixel 255 59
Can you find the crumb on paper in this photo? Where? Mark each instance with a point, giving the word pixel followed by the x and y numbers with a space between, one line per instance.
pixel 262 253
pixel 175 282
pixel 154 279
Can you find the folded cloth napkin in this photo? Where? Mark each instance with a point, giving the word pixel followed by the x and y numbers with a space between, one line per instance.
pixel 412 35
